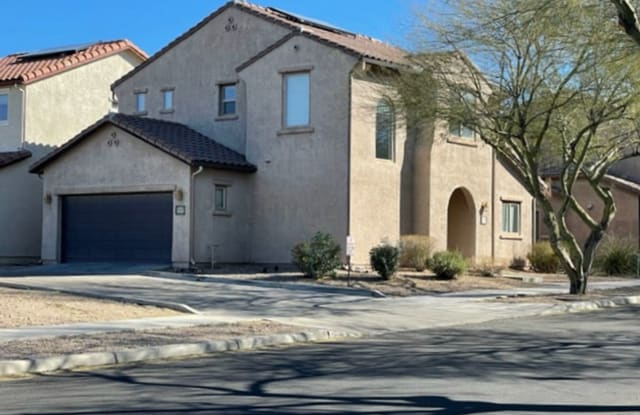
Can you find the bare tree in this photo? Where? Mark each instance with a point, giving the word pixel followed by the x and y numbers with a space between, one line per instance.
pixel 555 85
pixel 628 18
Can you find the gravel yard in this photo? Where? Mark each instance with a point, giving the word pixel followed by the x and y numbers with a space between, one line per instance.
pixel 23 308
pixel 23 349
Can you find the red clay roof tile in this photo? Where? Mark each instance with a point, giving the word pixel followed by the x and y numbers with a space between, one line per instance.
pixel 18 69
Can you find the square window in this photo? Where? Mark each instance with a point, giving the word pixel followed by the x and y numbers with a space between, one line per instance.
pixel 4 108
pixel 220 198
pixel 141 101
pixel 460 130
pixel 296 100
pixel 167 99
pixel 227 105
pixel 511 217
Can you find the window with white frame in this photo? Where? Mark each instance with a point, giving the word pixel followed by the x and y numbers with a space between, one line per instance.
pixel 227 104
pixel 511 217
pixel 220 198
pixel 296 99
pixel 141 102
pixel 4 108
pixel 167 99
pixel 385 126
pixel 458 128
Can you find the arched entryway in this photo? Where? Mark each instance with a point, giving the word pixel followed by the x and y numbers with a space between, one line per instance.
pixel 461 223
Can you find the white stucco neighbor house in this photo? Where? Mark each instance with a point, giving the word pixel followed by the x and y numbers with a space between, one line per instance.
pixel 252 131
pixel 46 97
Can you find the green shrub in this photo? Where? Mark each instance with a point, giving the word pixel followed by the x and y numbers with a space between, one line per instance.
pixel 488 269
pixel 542 258
pixel 384 259
pixel 448 264
pixel 415 251
pixel 317 257
pixel 518 263
pixel 616 256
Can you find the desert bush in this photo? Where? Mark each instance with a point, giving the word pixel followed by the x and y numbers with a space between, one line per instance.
pixel 489 269
pixel 317 257
pixel 384 260
pixel 616 256
pixel 542 258
pixel 448 264
pixel 518 263
pixel 415 251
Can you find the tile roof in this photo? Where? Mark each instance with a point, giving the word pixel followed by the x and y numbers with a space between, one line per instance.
pixel 24 68
pixel 359 45
pixel 173 138
pixel 10 157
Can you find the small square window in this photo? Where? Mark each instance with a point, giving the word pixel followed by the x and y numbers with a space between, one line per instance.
pixel 460 130
pixel 141 101
pixel 227 105
pixel 511 217
pixel 4 108
pixel 220 198
pixel 296 99
pixel 167 99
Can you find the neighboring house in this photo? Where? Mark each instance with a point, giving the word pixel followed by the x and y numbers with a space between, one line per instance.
pixel 257 128
pixel 623 178
pixel 46 97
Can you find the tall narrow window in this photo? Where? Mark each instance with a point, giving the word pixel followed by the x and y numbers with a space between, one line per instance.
pixel 227 105
pixel 384 130
pixel 141 102
pixel 458 128
pixel 296 100
pixel 220 198
pixel 4 108
pixel 167 99
pixel 511 217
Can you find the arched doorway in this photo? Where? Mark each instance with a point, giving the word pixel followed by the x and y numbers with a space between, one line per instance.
pixel 461 223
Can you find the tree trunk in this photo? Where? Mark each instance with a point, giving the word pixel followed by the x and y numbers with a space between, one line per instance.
pixel 577 282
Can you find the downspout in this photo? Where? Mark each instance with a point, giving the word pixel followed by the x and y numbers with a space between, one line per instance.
pixel 192 197
pixel 493 205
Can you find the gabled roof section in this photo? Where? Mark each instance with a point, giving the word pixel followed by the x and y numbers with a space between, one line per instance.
pixel 355 44
pixel 9 157
pixel 25 68
pixel 175 139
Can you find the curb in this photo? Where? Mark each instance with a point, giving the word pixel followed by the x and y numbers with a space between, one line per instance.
pixel 71 361
pixel 165 304
pixel 267 284
pixel 591 305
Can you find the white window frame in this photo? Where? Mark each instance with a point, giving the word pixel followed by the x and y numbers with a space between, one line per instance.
pixel 506 222
pixel 224 188
pixel 142 94
pixel 285 99
pixel 168 92
pixel 222 100
pixel 6 93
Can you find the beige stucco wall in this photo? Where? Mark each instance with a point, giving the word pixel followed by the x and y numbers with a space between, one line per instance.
pixel 93 166
pixel 302 179
pixel 195 67
pixel 228 233
pixel 626 223
pixel 59 107
pixel 11 131
pixel 376 189
pixel 443 164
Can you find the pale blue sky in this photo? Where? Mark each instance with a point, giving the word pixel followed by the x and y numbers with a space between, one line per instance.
pixel 151 24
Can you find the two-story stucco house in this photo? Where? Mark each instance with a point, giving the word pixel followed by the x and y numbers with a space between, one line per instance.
pixel 252 131
pixel 46 97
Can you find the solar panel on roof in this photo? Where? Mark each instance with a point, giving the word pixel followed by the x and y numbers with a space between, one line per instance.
pixel 60 50
pixel 309 21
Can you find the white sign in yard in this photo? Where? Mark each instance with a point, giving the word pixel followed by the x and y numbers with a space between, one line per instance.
pixel 351 245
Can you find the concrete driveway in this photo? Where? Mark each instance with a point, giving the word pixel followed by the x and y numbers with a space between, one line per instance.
pixel 303 304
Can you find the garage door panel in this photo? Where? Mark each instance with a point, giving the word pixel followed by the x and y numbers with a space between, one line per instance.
pixel 118 227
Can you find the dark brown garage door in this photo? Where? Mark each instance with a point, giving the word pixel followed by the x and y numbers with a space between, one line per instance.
pixel 117 227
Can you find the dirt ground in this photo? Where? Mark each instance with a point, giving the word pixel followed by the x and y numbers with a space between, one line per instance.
pixel 23 308
pixel 23 349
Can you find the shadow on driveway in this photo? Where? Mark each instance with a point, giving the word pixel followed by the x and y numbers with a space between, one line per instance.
pixel 78 269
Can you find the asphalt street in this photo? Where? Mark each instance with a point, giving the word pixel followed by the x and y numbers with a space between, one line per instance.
pixel 567 364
